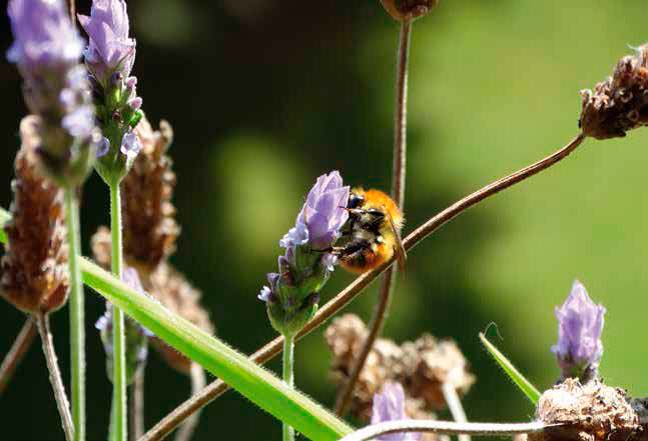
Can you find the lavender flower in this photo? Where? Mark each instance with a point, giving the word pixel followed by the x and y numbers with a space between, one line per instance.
pixel 580 324
pixel 110 49
pixel 292 293
pixel 389 405
pixel 47 49
pixel 136 335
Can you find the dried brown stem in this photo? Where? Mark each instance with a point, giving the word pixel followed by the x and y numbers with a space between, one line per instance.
pixel 15 355
pixel 198 382
pixel 136 404
pixel 454 404
pixel 42 321
pixel 399 174
pixel 274 347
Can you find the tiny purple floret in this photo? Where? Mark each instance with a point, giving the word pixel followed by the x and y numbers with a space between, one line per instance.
pixel 580 324
pixel 389 405
pixel 130 145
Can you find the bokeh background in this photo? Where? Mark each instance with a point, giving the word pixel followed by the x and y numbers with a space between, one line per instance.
pixel 266 95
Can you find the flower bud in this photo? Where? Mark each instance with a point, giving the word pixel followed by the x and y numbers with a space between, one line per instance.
pixel 580 324
pixel 34 268
pixel 292 295
pixel 402 10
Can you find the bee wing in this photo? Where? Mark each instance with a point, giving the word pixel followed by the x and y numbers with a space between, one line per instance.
pixel 399 249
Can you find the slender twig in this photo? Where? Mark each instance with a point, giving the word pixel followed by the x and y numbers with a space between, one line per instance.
pixel 344 297
pixel 42 322
pixel 137 404
pixel 444 427
pixel 399 174
pixel 454 404
pixel 15 355
pixel 120 415
pixel 77 316
pixel 198 382
pixel 289 378
pixel 73 12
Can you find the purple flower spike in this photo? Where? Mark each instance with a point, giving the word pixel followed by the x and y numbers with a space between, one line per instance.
pixel 580 324
pixel 110 49
pixel 324 211
pixel 389 405
pixel 44 35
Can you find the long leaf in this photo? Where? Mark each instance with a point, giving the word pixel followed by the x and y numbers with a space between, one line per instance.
pixel 520 381
pixel 257 384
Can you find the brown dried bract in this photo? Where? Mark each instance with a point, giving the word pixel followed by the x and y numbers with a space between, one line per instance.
pixel 402 10
pixel 619 103
pixel 590 412
pixel 421 366
pixel 34 269
pixel 150 228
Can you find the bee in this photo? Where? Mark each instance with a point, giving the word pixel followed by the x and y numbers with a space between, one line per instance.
pixel 371 236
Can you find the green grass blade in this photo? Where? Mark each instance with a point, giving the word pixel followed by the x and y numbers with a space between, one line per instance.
pixel 520 381
pixel 4 218
pixel 257 384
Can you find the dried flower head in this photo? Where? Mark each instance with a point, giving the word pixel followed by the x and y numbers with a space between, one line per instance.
pixel 402 10
pixel 110 50
pixel 47 49
pixel 292 294
pixel 137 336
pixel 34 268
pixel 580 324
pixel 592 412
pixel 422 366
pixel 389 405
pixel 620 103
pixel 150 229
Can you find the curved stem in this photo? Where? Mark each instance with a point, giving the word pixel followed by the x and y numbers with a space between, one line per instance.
pixel 198 382
pixel 77 315
pixel 42 322
pixel 15 355
pixel 137 404
pixel 119 414
pixel 453 402
pixel 444 427
pixel 289 378
pixel 344 297
pixel 398 194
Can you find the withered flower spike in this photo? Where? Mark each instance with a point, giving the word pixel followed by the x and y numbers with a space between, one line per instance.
pixel 34 269
pixel 620 103
pixel 150 229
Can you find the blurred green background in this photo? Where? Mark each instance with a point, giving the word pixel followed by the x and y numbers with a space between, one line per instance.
pixel 266 95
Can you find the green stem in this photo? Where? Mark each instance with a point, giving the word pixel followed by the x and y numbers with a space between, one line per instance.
pixel 77 318
pixel 289 378
pixel 119 414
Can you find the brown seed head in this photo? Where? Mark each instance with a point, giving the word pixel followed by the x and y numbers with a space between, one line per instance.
pixel 590 412
pixel 150 229
pixel 421 366
pixel 402 10
pixel 620 103
pixel 34 268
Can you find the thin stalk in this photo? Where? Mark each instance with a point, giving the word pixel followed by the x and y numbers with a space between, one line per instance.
pixel 454 404
pixel 42 322
pixel 15 355
pixel 445 428
pixel 77 316
pixel 119 414
pixel 198 382
pixel 270 350
pixel 137 404
pixel 73 12
pixel 399 175
pixel 289 378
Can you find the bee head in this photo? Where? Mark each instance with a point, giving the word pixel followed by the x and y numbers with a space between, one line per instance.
pixel 355 200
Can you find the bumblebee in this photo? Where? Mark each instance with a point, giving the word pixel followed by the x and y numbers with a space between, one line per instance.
pixel 371 235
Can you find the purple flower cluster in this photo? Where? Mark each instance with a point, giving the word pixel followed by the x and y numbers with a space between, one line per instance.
pixel 389 405
pixel 292 293
pixel 136 334
pixel 47 49
pixel 580 325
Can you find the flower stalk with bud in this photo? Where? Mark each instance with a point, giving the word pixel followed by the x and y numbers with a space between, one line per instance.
pixel 109 57
pixel 292 295
pixel 46 49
